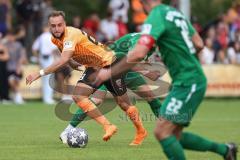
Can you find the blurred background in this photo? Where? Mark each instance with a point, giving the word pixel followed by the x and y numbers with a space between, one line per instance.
pixel 25 43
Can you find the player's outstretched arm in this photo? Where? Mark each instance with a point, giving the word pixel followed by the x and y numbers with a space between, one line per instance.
pixel 144 45
pixel 151 74
pixel 134 57
pixel 63 60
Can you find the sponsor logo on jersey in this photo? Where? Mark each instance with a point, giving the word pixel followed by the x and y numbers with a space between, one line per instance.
pixel 68 44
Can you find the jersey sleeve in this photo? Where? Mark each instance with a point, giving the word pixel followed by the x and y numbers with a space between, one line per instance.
pixel 154 24
pixel 69 42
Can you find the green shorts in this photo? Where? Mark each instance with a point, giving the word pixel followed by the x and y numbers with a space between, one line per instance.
pixel 132 80
pixel 182 102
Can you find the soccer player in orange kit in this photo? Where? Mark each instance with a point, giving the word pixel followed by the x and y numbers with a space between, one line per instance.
pixel 77 47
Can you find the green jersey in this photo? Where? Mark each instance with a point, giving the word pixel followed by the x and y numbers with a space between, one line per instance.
pixel 126 43
pixel 172 33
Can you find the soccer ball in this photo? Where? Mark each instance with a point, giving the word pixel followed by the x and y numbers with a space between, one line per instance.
pixel 77 138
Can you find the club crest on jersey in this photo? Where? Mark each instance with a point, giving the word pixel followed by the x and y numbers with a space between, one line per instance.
pixel 68 44
pixel 146 28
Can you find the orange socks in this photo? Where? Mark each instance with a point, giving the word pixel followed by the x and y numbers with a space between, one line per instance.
pixel 141 133
pixel 92 111
pixel 133 114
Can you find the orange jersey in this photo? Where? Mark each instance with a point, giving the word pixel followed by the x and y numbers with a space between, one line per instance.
pixel 86 50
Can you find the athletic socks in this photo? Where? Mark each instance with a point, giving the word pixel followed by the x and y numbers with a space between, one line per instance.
pixel 172 148
pixel 194 142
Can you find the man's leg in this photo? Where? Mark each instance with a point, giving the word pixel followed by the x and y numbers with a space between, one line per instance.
pixel 145 92
pixel 164 133
pixel 195 142
pixel 97 98
pixel 118 89
pixel 139 86
pixel 81 97
pixel 133 114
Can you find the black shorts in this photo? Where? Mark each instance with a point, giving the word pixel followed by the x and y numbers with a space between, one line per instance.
pixel 114 85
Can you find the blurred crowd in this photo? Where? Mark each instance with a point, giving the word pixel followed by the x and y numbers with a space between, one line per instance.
pixel 27 39
pixel 222 38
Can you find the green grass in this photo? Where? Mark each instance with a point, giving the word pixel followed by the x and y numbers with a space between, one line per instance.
pixel 30 132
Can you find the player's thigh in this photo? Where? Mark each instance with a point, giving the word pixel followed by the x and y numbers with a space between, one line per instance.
pixel 83 88
pixel 116 86
pixel 182 102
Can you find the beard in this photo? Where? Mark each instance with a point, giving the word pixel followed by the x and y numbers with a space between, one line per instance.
pixel 58 37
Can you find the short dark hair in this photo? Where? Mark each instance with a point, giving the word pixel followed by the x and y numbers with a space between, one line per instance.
pixel 56 14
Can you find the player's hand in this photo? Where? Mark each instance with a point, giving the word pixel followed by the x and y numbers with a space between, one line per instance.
pixel 153 75
pixel 32 77
pixel 101 76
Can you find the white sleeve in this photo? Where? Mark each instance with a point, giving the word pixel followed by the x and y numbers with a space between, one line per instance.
pixel 36 44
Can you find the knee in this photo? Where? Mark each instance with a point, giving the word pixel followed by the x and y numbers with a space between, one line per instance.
pixel 163 130
pixel 159 133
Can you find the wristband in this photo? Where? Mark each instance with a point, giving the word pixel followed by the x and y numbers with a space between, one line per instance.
pixel 42 73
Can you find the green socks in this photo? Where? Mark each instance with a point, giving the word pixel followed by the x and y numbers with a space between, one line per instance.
pixel 172 148
pixel 197 143
pixel 155 106
pixel 78 117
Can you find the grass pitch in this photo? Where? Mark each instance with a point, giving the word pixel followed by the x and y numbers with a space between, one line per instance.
pixel 31 131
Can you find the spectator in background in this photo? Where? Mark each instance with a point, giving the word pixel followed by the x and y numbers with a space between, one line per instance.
pixel 46 9
pixel 25 14
pixel 44 46
pixel 207 55
pixel 119 9
pixel 222 35
pixel 4 56
pixel 233 53
pixel 5 16
pixel 139 15
pixel 91 25
pixel 222 57
pixel 122 27
pixel 76 22
pixel 109 28
pixel 17 57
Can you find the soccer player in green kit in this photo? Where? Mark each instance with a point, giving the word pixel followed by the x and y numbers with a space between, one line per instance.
pixel 178 43
pixel 133 80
